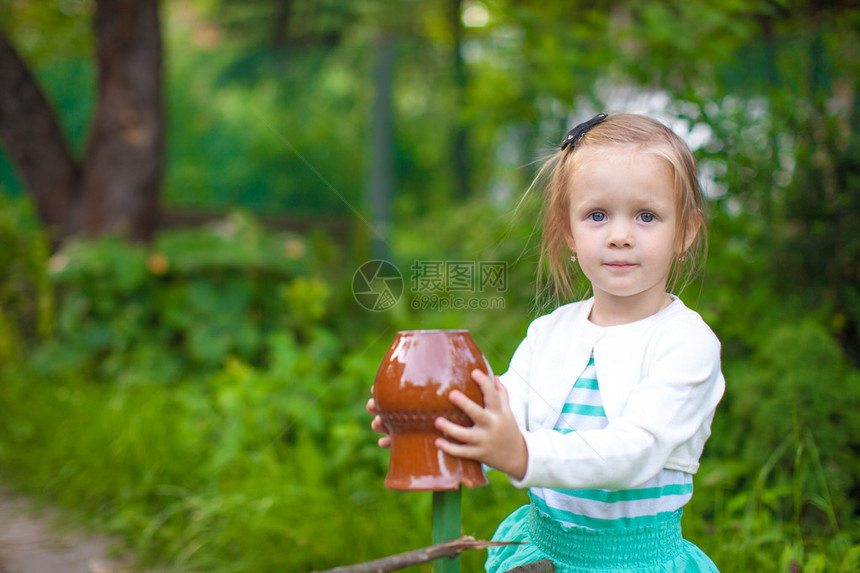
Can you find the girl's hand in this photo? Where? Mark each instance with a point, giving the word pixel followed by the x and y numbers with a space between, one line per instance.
pixel 376 425
pixel 495 439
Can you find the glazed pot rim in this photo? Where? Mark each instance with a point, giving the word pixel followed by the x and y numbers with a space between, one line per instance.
pixel 432 330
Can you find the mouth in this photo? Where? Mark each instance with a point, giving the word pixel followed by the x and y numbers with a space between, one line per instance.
pixel 620 265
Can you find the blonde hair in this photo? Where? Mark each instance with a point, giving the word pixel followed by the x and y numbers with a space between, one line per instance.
pixel 558 172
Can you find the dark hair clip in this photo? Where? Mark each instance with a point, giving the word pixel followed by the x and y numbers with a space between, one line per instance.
pixel 577 132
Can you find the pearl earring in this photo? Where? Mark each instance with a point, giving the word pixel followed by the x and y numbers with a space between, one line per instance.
pixel 573 258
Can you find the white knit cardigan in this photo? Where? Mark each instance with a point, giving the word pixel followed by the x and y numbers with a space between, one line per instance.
pixel 660 381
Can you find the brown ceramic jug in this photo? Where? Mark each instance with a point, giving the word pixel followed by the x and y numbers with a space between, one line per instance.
pixel 411 390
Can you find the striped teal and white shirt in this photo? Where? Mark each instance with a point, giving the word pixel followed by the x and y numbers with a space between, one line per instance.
pixel 606 509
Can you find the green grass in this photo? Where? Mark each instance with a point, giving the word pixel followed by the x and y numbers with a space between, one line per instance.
pixel 155 465
pixel 192 485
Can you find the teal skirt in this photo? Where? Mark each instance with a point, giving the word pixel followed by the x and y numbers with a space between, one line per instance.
pixel 656 548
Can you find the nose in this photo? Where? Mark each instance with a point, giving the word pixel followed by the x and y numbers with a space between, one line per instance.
pixel 620 234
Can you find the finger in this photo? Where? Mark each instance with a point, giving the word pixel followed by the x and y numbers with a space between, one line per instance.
pixel 504 397
pixel 472 409
pixel 384 442
pixel 371 407
pixel 456 450
pixel 460 433
pixel 488 390
pixel 377 426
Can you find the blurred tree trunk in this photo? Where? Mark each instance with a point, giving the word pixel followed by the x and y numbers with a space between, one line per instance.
pixel 460 139
pixel 123 164
pixel 281 23
pixel 34 142
pixel 115 186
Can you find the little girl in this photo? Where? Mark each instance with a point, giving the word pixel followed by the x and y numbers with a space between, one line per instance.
pixel 607 403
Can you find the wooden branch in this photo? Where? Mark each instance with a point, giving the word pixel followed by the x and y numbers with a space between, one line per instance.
pixel 542 566
pixel 449 549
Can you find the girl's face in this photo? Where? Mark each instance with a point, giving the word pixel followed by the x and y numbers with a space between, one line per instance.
pixel 622 230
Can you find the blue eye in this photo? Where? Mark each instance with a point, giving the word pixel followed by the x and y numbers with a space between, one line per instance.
pixel 597 216
pixel 647 217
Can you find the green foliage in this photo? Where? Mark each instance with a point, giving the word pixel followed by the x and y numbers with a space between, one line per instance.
pixel 799 389
pixel 777 509
pixel 48 28
pixel 259 460
pixel 26 295
pixel 185 304
pixel 258 455
pixel 244 134
pixel 476 232
pixel 195 483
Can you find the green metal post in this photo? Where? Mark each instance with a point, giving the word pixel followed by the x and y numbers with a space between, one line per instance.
pixel 446 526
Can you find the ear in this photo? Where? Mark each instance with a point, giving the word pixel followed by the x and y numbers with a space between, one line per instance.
pixel 693 229
pixel 568 238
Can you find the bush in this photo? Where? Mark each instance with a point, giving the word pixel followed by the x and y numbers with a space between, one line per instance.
pixel 183 305
pixel 797 391
pixel 26 296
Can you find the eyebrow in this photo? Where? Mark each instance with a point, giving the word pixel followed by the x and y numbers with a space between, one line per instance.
pixel 637 206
